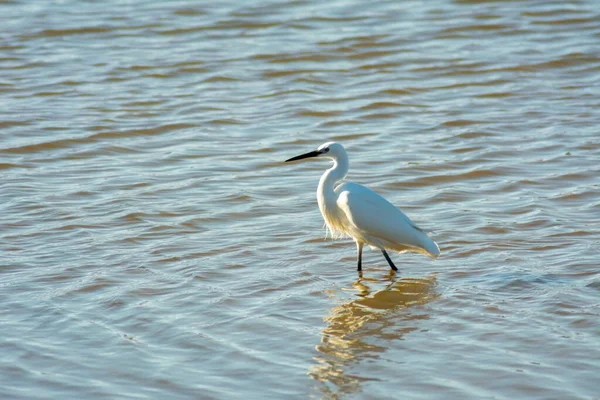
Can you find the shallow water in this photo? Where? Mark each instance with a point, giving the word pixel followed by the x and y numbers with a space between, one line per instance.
pixel 154 245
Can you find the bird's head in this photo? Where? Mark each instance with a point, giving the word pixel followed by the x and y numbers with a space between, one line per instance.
pixel 330 150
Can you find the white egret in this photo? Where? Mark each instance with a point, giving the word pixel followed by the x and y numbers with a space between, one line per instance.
pixel 350 209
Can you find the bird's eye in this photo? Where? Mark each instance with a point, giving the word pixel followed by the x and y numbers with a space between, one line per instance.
pixel 326 149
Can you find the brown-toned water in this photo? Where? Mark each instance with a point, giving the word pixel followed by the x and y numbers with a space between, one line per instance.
pixel 153 244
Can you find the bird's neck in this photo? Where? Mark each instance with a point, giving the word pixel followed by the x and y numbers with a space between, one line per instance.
pixel 325 192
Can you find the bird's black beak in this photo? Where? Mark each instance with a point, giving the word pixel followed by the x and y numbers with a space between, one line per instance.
pixel 306 155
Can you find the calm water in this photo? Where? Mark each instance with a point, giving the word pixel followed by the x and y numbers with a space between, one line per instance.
pixel 153 245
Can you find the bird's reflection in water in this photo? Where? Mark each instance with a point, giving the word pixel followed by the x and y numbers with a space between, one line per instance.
pixel 364 327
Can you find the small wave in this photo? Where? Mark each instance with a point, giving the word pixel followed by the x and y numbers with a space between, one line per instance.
pixel 315 113
pixel 461 122
pixel 68 32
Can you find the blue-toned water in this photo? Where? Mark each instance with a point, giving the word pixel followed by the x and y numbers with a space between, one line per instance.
pixel 154 245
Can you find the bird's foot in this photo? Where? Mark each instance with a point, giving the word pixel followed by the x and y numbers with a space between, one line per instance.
pixel 389 260
pixel 390 275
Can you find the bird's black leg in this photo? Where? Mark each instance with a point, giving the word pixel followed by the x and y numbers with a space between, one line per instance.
pixel 389 260
pixel 359 247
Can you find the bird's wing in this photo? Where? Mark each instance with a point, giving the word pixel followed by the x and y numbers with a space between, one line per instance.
pixel 370 213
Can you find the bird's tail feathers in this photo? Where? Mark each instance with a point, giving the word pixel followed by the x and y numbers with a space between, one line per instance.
pixel 432 249
pixel 428 246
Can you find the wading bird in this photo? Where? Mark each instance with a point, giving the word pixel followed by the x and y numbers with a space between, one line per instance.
pixel 350 209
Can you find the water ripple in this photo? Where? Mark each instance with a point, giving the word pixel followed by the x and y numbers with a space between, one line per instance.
pixel 154 244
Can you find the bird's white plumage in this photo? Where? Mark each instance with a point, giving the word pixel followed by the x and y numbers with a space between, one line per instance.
pixel 373 220
pixel 350 209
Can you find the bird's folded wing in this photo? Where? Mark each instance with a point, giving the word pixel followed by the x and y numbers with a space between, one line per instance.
pixel 373 215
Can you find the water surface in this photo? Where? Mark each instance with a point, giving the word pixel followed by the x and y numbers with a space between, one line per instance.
pixel 154 245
